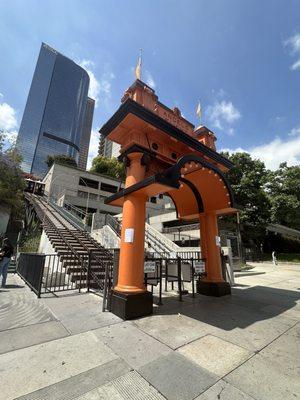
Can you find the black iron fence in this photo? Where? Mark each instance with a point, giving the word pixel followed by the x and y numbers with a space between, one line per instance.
pixel 31 268
pixel 51 273
pixel 178 269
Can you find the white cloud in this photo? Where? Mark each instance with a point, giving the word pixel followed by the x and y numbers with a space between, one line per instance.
pixel 222 114
pixel 100 89
pixel 275 152
pixel 94 145
pixel 293 46
pixel 11 137
pixel 8 118
pixel 293 43
pixel 149 79
pixel 295 131
pixel 295 66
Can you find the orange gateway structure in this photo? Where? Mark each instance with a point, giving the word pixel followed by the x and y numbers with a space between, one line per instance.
pixel 164 154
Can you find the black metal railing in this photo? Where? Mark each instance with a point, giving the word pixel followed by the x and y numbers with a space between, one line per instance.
pixel 45 273
pixel 176 269
pixel 30 267
pixel 113 223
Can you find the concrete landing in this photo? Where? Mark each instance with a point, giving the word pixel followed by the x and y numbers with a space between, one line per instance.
pixel 240 347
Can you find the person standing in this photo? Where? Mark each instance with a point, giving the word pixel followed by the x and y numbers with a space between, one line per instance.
pixel 6 253
pixel 274 259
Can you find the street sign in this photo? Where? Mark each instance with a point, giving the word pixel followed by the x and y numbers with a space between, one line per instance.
pixel 149 267
pixel 199 267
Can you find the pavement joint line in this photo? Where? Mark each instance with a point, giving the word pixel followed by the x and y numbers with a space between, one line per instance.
pixel 150 384
pixel 90 369
pixel 153 337
pixel 46 341
pixel 211 334
pixel 257 353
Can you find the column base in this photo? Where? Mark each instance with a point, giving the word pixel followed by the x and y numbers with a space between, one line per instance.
pixel 130 306
pixel 216 289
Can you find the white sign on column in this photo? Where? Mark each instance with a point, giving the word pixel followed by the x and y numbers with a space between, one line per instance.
pixel 129 234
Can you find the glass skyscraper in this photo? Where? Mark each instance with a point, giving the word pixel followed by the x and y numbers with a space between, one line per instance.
pixel 55 112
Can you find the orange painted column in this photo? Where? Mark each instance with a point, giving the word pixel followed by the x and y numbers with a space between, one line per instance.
pixel 131 263
pixel 209 249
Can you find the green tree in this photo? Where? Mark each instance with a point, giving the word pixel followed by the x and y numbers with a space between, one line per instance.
pixel 12 182
pixel 283 190
pixel 248 179
pixel 61 159
pixel 108 166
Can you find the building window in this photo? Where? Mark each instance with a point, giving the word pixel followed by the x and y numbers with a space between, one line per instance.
pixel 82 194
pixel 85 195
pixel 89 183
pixel 153 200
pixel 106 187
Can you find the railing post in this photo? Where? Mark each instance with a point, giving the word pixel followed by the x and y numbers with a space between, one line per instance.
pixel 88 278
pixel 193 276
pixel 160 282
pixel 179 277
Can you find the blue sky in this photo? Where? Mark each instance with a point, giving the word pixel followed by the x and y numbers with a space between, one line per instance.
pixel 241 58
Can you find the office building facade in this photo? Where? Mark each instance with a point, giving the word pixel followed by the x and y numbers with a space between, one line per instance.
pixel 107 148
pixel 86 134
pixel 54 115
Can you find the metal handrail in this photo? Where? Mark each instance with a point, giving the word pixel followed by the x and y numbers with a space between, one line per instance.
pixel 113 223
pixel 78 239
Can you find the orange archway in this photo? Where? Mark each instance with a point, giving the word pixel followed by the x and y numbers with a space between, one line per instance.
pixel 164 154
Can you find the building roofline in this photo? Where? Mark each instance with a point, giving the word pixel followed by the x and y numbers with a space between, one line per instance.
pixel 132 107
pixel 84 171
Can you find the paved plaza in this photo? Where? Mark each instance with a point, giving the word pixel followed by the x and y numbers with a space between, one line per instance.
pixel 240 347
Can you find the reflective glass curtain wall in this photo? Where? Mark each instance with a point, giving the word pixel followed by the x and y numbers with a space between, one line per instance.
pixel 53 119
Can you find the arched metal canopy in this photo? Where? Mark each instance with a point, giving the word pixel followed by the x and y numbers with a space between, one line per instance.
pixel 195 186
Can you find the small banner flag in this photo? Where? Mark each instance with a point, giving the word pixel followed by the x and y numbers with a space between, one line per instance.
pixel 138 68
pixel 199 111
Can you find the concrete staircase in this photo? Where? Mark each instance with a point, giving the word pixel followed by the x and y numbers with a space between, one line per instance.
pixel 77 250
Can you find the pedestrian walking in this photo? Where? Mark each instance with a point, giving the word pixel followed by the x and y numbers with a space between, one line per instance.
pixel 6 253
pixel 274 259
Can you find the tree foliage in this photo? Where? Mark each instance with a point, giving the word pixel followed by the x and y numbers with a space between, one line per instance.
pixel 108 166
pixel 248 178
pixel 61 159
pixel 264 196
pixel 12 182
pixel 283 190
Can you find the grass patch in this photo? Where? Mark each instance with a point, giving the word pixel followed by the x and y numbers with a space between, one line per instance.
pixel 30 244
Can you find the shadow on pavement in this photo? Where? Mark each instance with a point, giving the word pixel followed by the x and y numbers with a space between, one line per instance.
pixel 244 307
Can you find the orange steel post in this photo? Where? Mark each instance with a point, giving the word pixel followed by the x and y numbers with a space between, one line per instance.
pixel 131 264
pixel 209 248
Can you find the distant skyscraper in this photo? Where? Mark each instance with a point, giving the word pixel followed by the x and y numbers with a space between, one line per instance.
pixel 86 133
pixel 107 148
pixel 54 116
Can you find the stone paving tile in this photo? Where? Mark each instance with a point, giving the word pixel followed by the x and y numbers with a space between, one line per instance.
pixel 174 330
pixel 236 324
pixel 33 368
pixel 128 387
pixel 223 391
pixel 80 384
pixel 130 343
pixel 30 335
pixel 216 355
pixel 264 380
pixel 20 307
pixel 284 353
pixel 80 312
pixel 176 377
